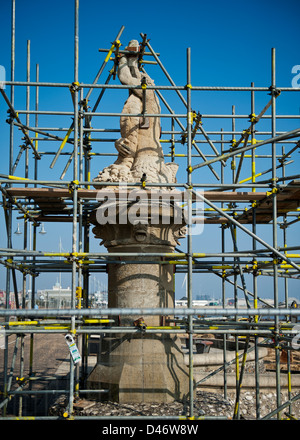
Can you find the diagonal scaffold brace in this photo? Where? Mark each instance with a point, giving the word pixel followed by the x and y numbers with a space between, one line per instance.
pixel 183 101
pixel 115 45
pixel 288 135
pixel 112 73
pixel 246 133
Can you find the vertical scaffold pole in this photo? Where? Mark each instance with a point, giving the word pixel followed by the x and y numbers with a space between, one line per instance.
pixel 256 349
pixel 80 226
pixel 75 188
pixel 12 77
pixel 9 211
pixel 27 108
pixel 189 245
pixel 26 223
pixel 33 285
pixel 286 292
pixel 233 163
pixel 253 136
pixel 223 279
pixel 256 339
pixel 274 223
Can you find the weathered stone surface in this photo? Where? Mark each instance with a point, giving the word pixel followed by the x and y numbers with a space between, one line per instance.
pixel 140 281
pixel 139 147
pixel 140 368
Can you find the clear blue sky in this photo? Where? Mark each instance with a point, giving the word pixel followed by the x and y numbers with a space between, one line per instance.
pixel 230 46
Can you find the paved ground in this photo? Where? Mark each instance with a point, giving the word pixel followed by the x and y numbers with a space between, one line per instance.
pixel 50 355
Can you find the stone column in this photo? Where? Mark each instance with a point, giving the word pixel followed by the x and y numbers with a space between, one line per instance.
pixel 141 366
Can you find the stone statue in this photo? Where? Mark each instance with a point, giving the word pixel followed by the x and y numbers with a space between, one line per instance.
pixel 140 152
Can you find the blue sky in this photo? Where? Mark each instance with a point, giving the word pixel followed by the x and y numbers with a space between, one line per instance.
pixel 230 46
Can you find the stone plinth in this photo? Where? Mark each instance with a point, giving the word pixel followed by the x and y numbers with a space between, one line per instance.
pixel 140 366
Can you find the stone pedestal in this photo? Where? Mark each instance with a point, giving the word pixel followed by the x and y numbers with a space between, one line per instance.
pixel 141 366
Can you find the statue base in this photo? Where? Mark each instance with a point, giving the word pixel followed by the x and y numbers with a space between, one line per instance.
pixel 140 368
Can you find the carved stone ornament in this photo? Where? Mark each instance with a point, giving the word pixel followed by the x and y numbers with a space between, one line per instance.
pixel 161 224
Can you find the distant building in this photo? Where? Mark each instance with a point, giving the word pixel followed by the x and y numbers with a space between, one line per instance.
pixel 100 299
pixel 204 297
pixel 2 298
pixel 183 302
pixel 55 298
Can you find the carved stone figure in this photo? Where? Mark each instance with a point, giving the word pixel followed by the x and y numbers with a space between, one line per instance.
pixel 139 147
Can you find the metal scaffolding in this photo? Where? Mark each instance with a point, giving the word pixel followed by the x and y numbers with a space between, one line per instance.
pixel 232 203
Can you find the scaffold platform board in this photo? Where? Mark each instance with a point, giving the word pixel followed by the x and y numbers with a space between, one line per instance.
pixel 53 203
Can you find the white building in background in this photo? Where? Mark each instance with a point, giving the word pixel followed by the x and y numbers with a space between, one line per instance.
pixel 100 299
pixel 195 303
pixel 55 298
pixel 60 298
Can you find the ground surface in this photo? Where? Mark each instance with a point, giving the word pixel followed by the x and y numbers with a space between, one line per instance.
pixel 51 359
pixel 206 404
pixel 50 353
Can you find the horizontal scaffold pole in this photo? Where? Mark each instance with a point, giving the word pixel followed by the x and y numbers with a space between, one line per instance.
pixel 243 228
pixel 178 311
pixel 197 88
